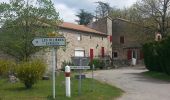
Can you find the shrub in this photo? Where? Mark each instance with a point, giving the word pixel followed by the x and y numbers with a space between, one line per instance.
pixel 30 72
pixel 97 63
pixel 157 55
pixel 6 67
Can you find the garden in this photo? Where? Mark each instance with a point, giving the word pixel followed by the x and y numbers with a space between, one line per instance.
pixel 27 84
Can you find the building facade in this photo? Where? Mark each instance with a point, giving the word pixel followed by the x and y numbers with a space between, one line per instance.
pixel 82 41
pixel 125 37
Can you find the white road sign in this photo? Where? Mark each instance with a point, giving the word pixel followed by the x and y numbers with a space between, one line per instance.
pixel 58 41
pixel 79 67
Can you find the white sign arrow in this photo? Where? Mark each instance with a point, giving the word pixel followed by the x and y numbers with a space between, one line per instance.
pixel 58 41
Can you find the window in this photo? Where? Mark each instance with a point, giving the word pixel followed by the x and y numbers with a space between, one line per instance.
pixel 79 38
pixel 115 54
pixel 122 40
pixel 79 53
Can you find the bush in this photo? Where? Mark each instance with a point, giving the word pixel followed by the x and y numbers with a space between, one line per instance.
pixel 97 63
pixel 157 55
pixel 65 63
pixel 30 72
pixel 6 67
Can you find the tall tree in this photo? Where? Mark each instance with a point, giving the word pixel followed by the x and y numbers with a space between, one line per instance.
pixel 21 21
pixel 103 9
pixel 157 11
pixel 84 17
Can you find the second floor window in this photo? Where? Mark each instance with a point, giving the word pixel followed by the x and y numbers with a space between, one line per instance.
pixel 122 40
pixel 79 38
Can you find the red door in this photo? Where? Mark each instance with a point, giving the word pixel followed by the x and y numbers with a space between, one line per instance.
pixel 91 54
pixel 141 55
pixel 129 54
pixel 102 51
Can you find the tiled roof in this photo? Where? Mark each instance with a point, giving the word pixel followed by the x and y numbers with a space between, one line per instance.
pixel 77 27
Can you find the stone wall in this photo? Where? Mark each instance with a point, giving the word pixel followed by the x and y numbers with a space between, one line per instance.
pixel 131 33
pixel 89 41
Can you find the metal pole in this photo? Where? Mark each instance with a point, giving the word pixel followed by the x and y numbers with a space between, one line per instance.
pixel 53 69
pixel 92 78
pixel 79 91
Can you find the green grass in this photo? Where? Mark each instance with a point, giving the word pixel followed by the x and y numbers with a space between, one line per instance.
pixel 157 75
pixel 43 90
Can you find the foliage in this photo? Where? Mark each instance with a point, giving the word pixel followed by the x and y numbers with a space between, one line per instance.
pixel 97 63
pixel 157 55
pixel 6 67
pixel 22 21
pixel 65 63
pixel 84 17
pixel 103 9
pixel 30 72
pixel 157 13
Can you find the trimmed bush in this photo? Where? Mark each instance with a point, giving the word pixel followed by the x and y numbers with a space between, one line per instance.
pixel 157 56
pixel 97 63
pixel 30 72
pixel 6 67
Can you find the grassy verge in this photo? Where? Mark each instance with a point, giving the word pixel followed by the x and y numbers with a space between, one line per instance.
pixel 43 90
pixel 157 75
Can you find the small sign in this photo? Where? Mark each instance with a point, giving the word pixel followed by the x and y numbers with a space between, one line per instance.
pixel 79 67
pixel 58 41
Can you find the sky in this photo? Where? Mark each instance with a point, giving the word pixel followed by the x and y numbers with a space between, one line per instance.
pixel 69 8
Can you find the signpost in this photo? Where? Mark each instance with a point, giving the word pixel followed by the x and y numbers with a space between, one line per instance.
pixel 79 68
pixel 53 41
pixel 58 41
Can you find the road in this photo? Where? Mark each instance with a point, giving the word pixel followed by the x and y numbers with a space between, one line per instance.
pixel 135 85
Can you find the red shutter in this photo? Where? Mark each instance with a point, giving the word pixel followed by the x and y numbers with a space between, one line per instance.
pixel 129 54
pixel 91 54
pixel 102 51
pixel 141 54
pixel 110 38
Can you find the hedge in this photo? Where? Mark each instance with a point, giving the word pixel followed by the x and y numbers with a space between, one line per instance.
pixel 157 56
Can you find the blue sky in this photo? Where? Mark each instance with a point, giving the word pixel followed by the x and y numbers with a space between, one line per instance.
pixel 69 8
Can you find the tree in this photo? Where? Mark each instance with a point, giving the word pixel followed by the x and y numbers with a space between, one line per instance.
pixel 102 9
pixel 84 17
pixel 23 20
pixel 157 11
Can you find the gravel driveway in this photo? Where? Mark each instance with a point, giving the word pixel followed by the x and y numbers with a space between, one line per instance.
pixel 135 85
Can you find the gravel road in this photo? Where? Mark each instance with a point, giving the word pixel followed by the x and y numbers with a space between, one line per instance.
pixel 135 85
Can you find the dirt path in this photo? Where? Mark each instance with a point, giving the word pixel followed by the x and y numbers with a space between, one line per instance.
pixel 135 85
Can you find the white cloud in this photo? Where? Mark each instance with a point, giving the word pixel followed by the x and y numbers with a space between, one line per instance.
pixel 7 1
pixel 68 8
pixel 66 13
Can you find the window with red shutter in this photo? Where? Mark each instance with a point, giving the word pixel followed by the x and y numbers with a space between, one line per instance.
pixel 102 51
pixel 141 55
pixel 110 38
pixel 129 54
pixel 122 40
pixel 91 54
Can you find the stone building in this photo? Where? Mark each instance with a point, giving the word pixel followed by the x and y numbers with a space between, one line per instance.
pixel 82 42
pixel 125 37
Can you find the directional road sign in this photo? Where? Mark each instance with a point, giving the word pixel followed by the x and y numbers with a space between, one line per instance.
pixel 58 41
pixel 79 67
